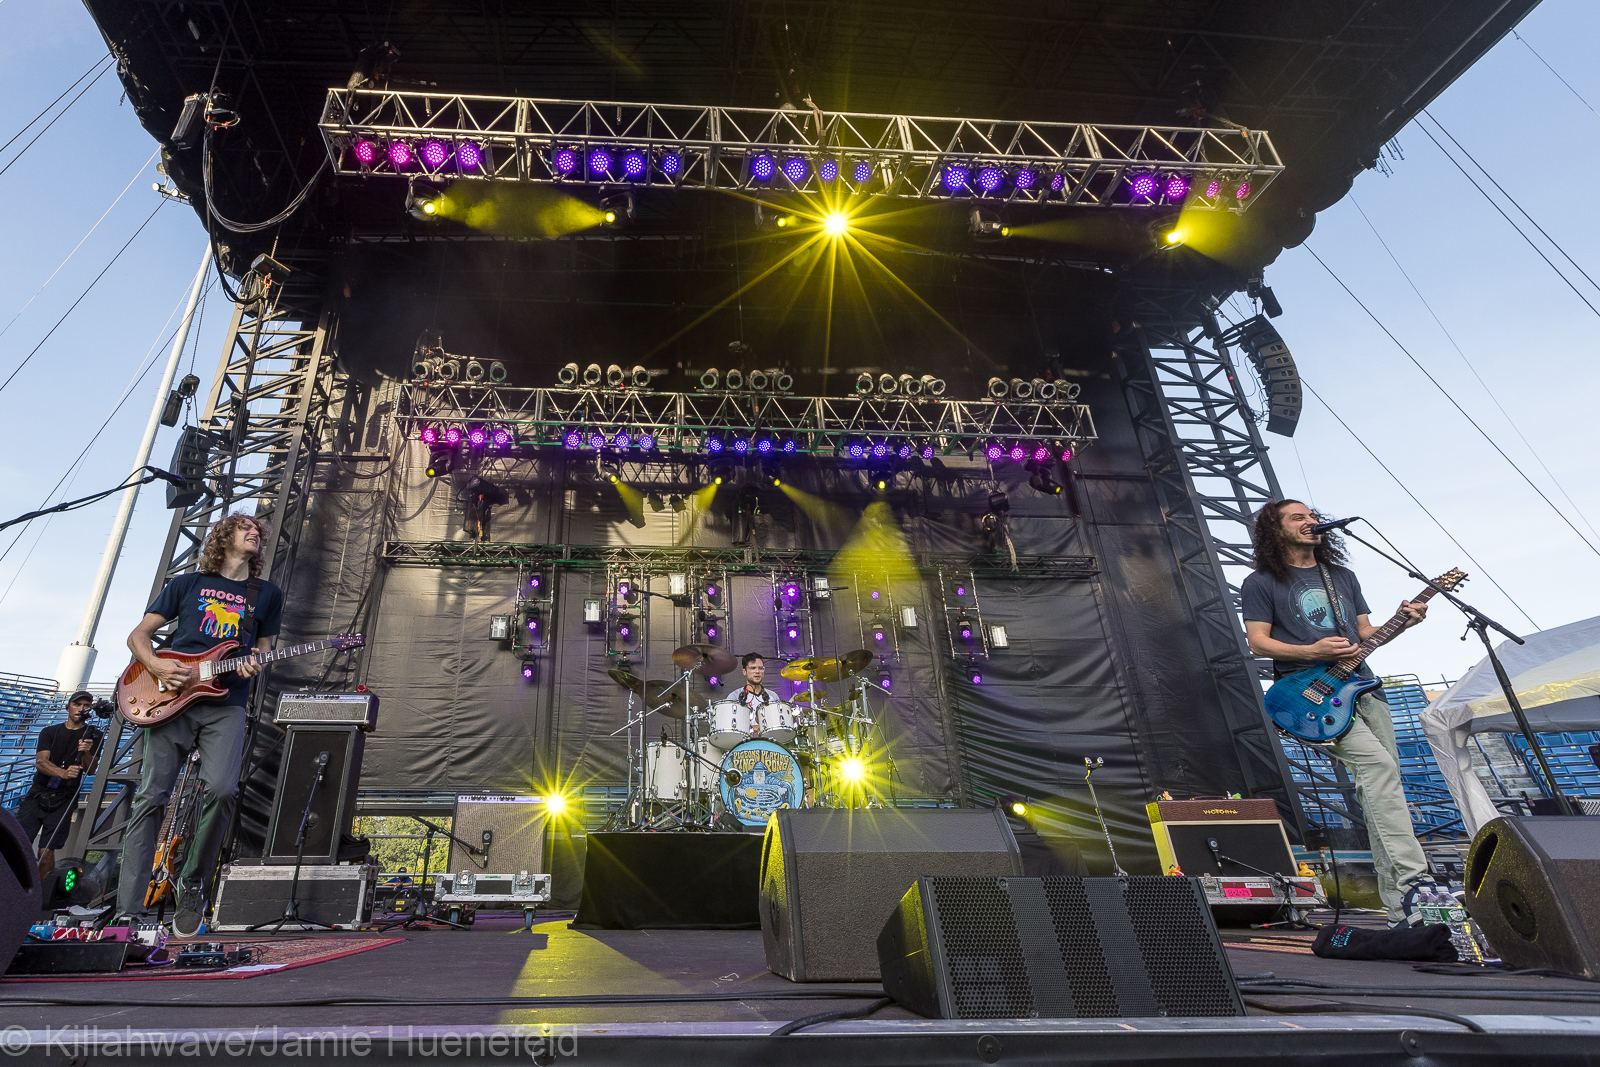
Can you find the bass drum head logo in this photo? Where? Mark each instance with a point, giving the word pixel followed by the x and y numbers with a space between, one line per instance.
pixel 768 779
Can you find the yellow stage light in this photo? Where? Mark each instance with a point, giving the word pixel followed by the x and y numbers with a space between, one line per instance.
pixel 882 485
pixel 430 207
pixel 776 483
pixel 612 478
pixel 717 480
pixel 610 217
pixel 1175 237
pixel 836 224
pixel 783 220
pixel 853 770
pixel 556 804
pixel 1019 809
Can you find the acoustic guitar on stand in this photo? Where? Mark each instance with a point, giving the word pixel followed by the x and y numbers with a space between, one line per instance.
pixel 1318 704
pixel 144 701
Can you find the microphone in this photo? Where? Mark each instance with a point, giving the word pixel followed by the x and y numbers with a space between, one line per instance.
pixel 168 476
pixel 731 777
pixel 1216 850
pixel 322 764
pixel 1336 524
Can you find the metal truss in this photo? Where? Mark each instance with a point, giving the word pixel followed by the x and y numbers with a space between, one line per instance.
pixel 269 393
pixel 1187 408
pixel 684 422
pixel 734 560
pixel 789 151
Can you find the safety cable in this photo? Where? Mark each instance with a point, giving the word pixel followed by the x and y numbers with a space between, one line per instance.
pixel 1453 402
pixel 1492 395
pixel 1557 73
pixel 24 150
pixel 54 102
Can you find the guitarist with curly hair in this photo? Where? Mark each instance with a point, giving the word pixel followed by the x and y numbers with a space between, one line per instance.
pixel 1302 607
pixel 224 600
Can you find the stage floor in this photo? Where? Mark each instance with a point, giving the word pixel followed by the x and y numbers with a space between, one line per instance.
pixel 485 977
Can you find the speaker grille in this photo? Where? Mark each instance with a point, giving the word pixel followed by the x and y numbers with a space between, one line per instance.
pixel 989 978
pixel 1187 974
pixel 1092 993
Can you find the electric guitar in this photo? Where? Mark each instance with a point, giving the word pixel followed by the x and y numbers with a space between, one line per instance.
pixel 144 701
pixel 176 832
pixel 1318 704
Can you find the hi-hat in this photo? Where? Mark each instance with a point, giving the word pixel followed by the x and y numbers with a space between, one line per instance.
pixel 708 659
pixel 827 670
pixel 656 696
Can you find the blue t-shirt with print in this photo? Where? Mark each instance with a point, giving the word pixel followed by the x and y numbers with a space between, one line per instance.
pixel 210 610
pixel 1299 612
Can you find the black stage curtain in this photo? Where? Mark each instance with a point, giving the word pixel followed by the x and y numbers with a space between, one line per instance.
pixel 639 881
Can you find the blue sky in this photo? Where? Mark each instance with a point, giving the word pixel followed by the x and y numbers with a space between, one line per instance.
pixel 1527 335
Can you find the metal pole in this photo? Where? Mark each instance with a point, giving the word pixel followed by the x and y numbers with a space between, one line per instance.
pixel 77 660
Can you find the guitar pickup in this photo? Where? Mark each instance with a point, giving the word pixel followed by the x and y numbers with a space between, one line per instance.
pixel 205 671
pixel 1313 696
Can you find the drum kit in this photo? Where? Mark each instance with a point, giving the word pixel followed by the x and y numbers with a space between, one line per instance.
pixel 741 762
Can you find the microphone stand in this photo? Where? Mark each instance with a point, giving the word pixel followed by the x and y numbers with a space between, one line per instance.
pixel 1284 885
pixel 1478 621
pixel 291 910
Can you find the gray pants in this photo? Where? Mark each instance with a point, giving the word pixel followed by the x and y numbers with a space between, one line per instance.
pixel 1368 750
pixel 218 731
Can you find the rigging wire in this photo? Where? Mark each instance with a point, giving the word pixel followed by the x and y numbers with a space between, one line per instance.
pixel 1508 218
pixel 1453 403
pixel 1473 369
pixel 1364 447
pixel 79 245
pixel 81 295
pixel 1553 70
pixel 24 150
pixel 54 102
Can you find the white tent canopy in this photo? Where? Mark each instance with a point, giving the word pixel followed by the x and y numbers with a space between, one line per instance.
pixel 1556 676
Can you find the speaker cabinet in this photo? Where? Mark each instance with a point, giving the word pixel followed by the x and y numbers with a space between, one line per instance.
pixel 1533 887
pixel 1056 948
pixel 514 826
pixel 21 890
pixel 335 803
pixel 831 876
pixel 1247 830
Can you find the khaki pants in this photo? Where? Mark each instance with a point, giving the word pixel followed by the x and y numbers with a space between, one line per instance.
pixel 1369 751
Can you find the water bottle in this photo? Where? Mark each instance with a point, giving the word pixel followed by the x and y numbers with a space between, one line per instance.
pixel 1432 906
pixel 1460 933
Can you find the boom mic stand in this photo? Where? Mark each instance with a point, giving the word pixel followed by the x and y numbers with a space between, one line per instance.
pixel 1478 621
pixel 291 910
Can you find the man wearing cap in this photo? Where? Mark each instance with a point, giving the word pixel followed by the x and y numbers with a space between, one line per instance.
pixel 66 752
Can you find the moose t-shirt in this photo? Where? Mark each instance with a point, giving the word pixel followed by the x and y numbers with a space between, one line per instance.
pixel 210 610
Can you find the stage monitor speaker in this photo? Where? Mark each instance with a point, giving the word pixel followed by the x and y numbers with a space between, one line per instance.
pixel 335 804
pixel 831 876
pixel 1056 948
pixel 1533 887
pixel 20 887
pixel 1245 830
pixel 515 827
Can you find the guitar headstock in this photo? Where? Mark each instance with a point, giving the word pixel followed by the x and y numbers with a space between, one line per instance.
pixel 1451 578
pixel 345 642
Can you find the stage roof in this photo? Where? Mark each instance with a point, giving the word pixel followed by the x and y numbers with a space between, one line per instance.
pixel 1330 80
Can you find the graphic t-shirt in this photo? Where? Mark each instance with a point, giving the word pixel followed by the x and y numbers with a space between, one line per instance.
pixel 62 744
pixel 210 610
pixel 1298 609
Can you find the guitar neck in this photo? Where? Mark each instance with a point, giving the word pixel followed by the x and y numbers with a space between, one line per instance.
pixel 1381 636
pixel 288 652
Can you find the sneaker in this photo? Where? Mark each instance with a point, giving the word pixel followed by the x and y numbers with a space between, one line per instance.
pixel 190 920
pixel 1411 903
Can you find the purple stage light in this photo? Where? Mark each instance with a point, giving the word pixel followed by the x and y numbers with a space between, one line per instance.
pixel 597 440
pixel 429 435
pixel 994 453
pixel 502 438
pixel 671 163
pixel 863 171
pixel 624 630
pixel 856 450
pixel 788 445
pixel 714 445
pixel 990 179
pixel 877 635
pixel 622 440
pixel 1026 177
pixel 599 161
pixel 880 449
pixel 795 169
pixel 791 590
pixel 434 153
pixel 764 445
pixel 977 679
pixel 1242 192
pixel 1143 186
pixel 956 177
pixel 1066 455
pixel 740 445
pixel 527 671
pixel 762 168
pixel 1017 453
pixel 887 682
pixel 711 590
pixel 634 164
pixel 1058 182
pixel 565 160
pixel 966 633
pixel 714 680
pixel 829 170
pixel 365 152
pixel 477 437
pixel 794 633
pixel 876 594
pixel 533 583
pixel 573 439
pixel 400 154
pixel 452 436
pixel 1041 453
pixel 470 156
pixel 711 632
pixel 1214 188
pixel 647 441
pixel 1177 187
pixel 904 451
pixel 533 625
pixel 961 590
pixel 927 451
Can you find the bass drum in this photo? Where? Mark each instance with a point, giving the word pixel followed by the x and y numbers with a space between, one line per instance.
pixel 666 778
pixel 729 723
pixel 758 778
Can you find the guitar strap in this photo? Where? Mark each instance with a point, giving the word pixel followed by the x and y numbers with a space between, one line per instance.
pixel 247 622
pixel 1333 602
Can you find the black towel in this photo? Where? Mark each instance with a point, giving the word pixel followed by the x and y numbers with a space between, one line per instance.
pixel 1430 943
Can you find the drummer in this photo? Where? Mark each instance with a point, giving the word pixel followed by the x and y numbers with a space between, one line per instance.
pixel 754 694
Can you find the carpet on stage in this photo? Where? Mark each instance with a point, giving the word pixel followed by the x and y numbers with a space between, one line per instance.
pixel 269 958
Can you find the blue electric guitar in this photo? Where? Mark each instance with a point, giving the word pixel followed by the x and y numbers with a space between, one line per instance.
pixel 1318 704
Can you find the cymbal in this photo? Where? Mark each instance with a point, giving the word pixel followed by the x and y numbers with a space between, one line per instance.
pixel 827 670
pixel 659 700
pixel 709 659
pixel 628 681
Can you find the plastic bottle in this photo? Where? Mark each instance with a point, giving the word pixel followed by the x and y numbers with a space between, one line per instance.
pixel 1433 908
pixel 1460 934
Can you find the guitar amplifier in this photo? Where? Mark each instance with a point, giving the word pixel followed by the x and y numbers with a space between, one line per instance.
pixel 1249 834
pixel 329 709
pixel 339 895
pixel 507 829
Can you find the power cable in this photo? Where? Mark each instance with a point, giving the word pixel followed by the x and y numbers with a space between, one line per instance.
pixel 53 103
pixel 1453 403
pixel 1508 218
pixel 1362 1009
pixel 1492 396
pixel 1419 503
pixel 52 122
pixel 252 227
pixel 1557 73
pixel 81 295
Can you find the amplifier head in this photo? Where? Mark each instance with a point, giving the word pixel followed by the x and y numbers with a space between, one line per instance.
pixel 329 709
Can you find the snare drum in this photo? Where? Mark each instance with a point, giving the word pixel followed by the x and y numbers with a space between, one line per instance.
pixel 776 721
pixel 730 723
pixel 666 778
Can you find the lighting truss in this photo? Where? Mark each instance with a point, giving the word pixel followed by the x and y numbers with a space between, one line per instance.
pixel 684 422
pixel 576 142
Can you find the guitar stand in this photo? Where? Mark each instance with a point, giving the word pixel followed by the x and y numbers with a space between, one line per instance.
pixel 291 910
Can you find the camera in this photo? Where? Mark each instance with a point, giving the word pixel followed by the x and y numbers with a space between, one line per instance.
pixel 104 708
